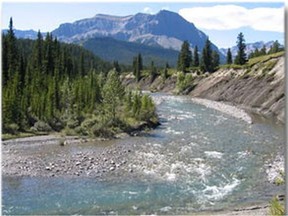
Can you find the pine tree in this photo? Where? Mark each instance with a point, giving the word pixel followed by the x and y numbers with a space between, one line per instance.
pixel 185 57
pixel 275 47
pixel 263 51
pixel 113 93
pixel 215 60
pixel 137 66
pixel 206 58
pixel 12 52
pixel 116 66
pixel 5 66
pixel 196 57
pixel 153 71
pixel 165 71
pixel 229 57
pixel 241 58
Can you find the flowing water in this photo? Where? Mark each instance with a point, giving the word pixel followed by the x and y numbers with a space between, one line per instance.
pixel 199 159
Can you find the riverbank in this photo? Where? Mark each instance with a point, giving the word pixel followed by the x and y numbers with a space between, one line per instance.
pixel 258 86
pixel 45 156
pixel 225 108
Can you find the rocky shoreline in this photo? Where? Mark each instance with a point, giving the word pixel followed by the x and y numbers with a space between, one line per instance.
pixel 225 108
pixel 44 156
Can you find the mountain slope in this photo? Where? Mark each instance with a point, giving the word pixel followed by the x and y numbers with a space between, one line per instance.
pixel 110 49
pixel 25 34
pixel 165 29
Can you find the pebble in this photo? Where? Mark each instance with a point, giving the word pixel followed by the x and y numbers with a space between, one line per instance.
pixel 112 168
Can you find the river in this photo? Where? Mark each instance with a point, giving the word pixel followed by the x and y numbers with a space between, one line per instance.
pixel 199 159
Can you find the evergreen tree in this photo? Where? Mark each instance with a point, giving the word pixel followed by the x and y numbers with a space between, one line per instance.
pixel 140 62
pixel 153 71
pixel 206 58
pixel 165 72
pixel 116 66
pixel 137 66
pixel 5 66
pixel 275 47
pixel 185 57
pixel 113 93
pixel 12 52
pixel 215 60
pixel 196 57
pixel 263 50
pixel 241 58
pixel 229 57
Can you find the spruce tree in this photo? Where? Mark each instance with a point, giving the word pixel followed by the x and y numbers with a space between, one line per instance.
pixel 137 66
pixel 153 71
pixel 165 71
pixel 196 57
pixel 241 58
pixel 206 58
pixel 229 57
pixel 275 47
pixel 12 51
pixel 215 60
pixel 185 57
pixel 263 50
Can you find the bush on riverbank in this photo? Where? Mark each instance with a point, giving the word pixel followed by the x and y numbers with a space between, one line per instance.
pixel 276 208
pixel 184 82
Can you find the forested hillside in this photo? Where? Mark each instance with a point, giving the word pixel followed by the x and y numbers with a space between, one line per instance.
pixel 110 49
pixel 50 86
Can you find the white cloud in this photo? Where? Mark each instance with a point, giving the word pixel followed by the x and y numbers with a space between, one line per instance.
pixel 148 10
pixel 226 17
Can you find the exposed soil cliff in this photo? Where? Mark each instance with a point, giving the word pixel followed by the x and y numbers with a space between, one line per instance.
pixel 259 86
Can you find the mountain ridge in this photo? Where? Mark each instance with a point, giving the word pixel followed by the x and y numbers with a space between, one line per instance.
pixel 165 29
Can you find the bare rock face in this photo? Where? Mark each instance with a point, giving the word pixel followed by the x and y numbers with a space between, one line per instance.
pixel 258 88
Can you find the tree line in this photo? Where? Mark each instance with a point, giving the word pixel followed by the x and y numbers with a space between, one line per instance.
pixel 48 85
pixel 209 59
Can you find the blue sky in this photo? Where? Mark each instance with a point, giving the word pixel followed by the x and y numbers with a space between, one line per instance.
pixel 258 21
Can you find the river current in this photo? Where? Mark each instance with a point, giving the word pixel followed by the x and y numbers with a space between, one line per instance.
pixel 199 159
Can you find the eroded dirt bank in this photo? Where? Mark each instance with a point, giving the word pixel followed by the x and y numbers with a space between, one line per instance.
pixel 258 88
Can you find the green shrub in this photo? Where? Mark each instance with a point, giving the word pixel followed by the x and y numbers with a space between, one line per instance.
pixel 73 123
pixel 184 82
pixel 12 128
pixel 41 126
pixel 276 208
pixel 279 180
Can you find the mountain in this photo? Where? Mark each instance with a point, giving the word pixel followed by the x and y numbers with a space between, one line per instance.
pixel 165 29
pixel 250 47
pixel 111 49
pixel 25 34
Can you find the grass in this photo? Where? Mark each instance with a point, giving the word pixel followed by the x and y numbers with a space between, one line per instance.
pixel 264 58
pixel 232 66
pixel 21 135
pixel 276 208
